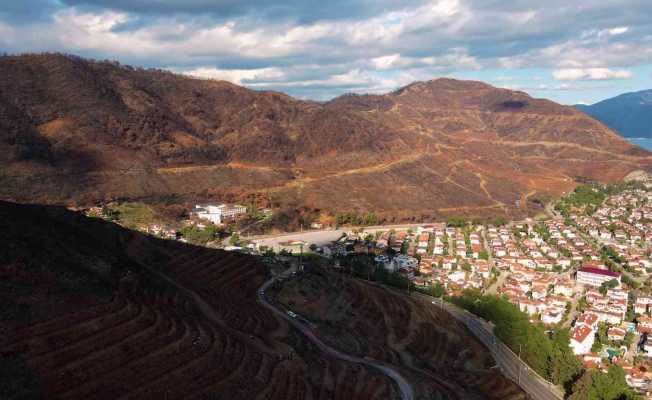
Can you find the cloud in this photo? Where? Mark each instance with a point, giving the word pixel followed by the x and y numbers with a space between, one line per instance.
pixel 301 11
pixel 590 74
pixel 618 31
pixel 322 48
pixel 238 76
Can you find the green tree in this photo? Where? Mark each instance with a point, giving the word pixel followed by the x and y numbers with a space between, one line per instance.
pixel 110 214
pixel 437 290
pixel 596 385
pixel 563 366
pixel 611 284
pixel 457 222
pixel 199 236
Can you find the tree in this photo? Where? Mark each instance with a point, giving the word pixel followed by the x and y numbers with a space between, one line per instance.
pixel 200 236
pixel 437 290
pixel 563 366
pixel 404 246
pixel 457 222
pixel 629 339
pixel 600 338
pixel 110 214
pixel 234 240
pixel 611 284
pixel 596 385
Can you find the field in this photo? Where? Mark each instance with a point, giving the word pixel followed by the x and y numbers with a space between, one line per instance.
pixel 439 356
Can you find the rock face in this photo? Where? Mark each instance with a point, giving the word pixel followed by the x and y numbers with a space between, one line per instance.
pixel 73 130
pixel 629 114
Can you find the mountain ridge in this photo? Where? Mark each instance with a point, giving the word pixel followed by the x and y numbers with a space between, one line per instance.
pixel 630 113
pixel 82 131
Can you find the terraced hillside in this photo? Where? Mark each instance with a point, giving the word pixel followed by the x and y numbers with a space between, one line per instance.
pixel 77 131
pixel 85 314
pixel 428 346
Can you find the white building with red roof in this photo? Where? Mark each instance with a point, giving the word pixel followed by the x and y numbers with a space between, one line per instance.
pixel 582 339
pixel 593 276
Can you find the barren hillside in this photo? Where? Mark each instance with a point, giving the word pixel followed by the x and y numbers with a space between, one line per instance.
pixel 76 131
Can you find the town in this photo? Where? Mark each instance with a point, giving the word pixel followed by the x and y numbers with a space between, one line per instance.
pixel 586 272
pixel 584 269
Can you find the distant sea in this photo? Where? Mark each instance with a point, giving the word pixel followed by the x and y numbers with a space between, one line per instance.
pixel 645 143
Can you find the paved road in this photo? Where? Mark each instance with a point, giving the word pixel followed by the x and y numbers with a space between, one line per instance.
pixel 407 393
pixel 509 363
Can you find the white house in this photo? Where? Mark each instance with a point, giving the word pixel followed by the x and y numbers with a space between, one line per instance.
pixel 582 339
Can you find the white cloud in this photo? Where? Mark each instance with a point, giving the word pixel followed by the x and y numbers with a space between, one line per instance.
pixel 237 76
pixel 589 74
pixel 618 31
pixel 372 51
pixel 386 62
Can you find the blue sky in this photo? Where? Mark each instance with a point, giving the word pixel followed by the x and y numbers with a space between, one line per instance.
pixel 568 51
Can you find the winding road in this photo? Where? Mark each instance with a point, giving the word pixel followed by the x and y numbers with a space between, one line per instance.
pixel 407 393
pixel 509 363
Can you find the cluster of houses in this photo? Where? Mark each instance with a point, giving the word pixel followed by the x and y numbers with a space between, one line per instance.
pixel 554 271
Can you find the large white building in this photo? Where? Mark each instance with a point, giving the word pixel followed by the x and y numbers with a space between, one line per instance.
pixel 595 276
pixel 217 214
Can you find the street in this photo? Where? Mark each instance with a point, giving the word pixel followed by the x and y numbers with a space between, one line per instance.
pixel 509 363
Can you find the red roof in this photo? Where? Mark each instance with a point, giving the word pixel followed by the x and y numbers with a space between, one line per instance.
pixel 580 333
pixel 599 271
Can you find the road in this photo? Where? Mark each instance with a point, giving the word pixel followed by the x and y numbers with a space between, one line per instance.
pixel 407 393
pixel 508 362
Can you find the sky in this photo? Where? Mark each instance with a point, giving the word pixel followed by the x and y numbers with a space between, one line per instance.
pixel 570 51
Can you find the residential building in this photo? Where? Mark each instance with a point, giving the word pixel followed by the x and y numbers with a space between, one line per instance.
pixel 593 276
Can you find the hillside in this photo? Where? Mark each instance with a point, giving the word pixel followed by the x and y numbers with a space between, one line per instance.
pixel 76 131
pixel 426 343
pixel 629 114
pixel 91 310
pixel 80 312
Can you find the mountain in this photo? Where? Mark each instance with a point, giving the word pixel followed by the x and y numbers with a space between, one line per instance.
pixel 630 114
pixel 76 131
pixel 89 309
